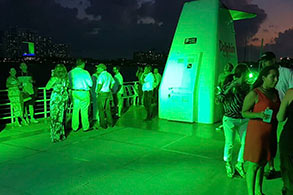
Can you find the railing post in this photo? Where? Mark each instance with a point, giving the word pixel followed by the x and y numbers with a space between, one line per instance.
pixel 135 93
pixel 11 114
pixel 129 93
pixel 45 102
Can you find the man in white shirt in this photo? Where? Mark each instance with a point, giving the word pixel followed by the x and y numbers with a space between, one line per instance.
pixel 158 78
pixel 118 100
pixel 105 83
pixel 80 82
pixel 148 80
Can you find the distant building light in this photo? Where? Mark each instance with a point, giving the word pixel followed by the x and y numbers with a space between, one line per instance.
pixel 28 54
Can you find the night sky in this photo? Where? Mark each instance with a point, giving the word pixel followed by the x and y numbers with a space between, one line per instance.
pixel 117 28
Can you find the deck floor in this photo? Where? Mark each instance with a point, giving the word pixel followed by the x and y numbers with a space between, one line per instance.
pixel 134 157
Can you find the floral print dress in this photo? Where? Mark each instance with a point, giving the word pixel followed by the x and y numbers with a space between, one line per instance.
pixel 58 106
pixel 15 96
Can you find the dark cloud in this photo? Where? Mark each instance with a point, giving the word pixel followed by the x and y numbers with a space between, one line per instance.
pixel 112 28
pixel 136 26
pixel 80 6
pixel 282 45
pixel 255 39
pixel 49 19
pixel 246 29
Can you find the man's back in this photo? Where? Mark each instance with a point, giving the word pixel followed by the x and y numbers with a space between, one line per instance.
pixel 148 82
pixel 106 80
pixel 80 79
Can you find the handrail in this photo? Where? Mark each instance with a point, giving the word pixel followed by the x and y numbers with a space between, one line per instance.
pixel 130 94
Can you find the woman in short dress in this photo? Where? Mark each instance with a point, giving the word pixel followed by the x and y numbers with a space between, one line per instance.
pixel 261 136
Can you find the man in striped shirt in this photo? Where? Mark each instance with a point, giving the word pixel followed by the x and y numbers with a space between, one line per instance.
pixel 232 95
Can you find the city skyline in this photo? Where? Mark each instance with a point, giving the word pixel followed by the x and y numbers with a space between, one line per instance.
pixel 113 29
pixel 18 42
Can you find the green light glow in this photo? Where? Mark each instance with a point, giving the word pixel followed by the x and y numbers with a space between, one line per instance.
pixel 252 76
pixel 204 42
pixel 31 48
pixel 239 15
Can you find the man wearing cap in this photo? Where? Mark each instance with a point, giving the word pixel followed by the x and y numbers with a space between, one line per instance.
pixel 285 74
pixel 80 83
pixel 105 83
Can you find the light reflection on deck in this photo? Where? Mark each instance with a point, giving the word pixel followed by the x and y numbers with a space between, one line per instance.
pixel 134 157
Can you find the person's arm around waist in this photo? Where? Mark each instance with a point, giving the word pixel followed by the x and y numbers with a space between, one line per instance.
pixel 282 114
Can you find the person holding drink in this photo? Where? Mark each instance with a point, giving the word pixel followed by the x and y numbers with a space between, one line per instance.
pixel 261 106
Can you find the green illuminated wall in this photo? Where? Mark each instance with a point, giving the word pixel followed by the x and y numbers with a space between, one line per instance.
pixel 31 48
pixel 203 43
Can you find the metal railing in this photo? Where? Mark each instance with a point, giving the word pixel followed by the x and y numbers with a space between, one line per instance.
pixel 42 106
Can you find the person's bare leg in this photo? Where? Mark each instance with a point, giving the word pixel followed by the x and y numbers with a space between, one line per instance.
pixel 272 165
pixel 259 180
pixel 32 113
pixel 26 114
pixel 23 121
pixel 17 122
pixel 251 177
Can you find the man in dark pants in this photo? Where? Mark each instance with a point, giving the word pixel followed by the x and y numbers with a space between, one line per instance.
pixel 147 81
pixel 28 90
pixel 105 83
pixel 285 114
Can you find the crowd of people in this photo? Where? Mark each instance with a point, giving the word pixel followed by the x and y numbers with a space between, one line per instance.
pixel 100 90
pixel 255 112
pixel 76 94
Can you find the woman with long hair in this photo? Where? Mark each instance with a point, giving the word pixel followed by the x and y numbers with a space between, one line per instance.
pixel 58 102
pixel 260 107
